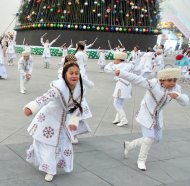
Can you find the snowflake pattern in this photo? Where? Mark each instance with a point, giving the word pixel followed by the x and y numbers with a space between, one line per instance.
pixel 61 164
pixel 48 132
pixel 45 167
pixel 67 152
pixel 41 117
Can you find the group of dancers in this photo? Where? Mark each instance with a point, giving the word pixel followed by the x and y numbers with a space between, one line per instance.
pixel 60 114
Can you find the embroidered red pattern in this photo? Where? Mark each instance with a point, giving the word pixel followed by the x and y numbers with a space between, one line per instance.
pixel 48 132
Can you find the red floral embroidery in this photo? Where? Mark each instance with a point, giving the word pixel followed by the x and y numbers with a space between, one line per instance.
pixel 41 117
pixel 42 99
pixel 52 93
pixel 45 167
pixel 29 155
pixel 67 152
pixel 48 132
pixel 61 164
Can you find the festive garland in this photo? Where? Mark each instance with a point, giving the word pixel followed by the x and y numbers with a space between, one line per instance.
pixel 38 50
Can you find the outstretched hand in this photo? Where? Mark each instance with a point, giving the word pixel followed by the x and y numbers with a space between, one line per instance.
pixel 72 127
pixel 27 112
pixel 173 95
pixel 117 72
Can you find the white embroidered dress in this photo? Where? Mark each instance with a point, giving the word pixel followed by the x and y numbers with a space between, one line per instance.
pixel 52 146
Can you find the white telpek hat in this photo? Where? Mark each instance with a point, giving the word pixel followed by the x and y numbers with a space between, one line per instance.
pixel 25 53
pixel 169 73
pixel 120 55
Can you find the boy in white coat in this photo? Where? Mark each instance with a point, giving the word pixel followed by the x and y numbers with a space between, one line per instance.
pixel 25 67
pixel 159 92
pixel 123 87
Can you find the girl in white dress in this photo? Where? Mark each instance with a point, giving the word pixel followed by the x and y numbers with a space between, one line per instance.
pixel 3 72
pixel 11 48
pixel 46 53
pixel 159 92
pixel 59 113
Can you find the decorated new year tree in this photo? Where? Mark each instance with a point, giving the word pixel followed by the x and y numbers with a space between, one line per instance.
pixel 99 15
pixel 115 16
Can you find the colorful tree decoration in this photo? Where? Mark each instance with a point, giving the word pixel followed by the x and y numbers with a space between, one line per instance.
pixel 140 16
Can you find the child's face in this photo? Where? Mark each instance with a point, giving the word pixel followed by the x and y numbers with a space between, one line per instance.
pixel 117 61
pixel 26 58
pixel 72 76
pixel 169 83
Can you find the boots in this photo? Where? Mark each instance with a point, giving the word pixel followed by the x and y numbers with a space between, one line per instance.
pixel 123 119
pixel 131 145
pixel 116 120
pixel 49 177
pixel 145 147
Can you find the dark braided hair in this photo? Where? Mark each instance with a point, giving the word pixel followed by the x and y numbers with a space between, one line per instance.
pixel 66 66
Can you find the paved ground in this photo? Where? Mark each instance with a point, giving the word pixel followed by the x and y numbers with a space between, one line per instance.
pixel 99 156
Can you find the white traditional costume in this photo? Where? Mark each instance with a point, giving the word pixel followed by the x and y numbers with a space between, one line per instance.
pixel 64 54
pixel 123 89
pixel 102 59
pixel 158 62
pixel 46 53
pixel 150 114
pixel 3 72
pixel 11 49
pixel 25 68
pixel 81 61
pixel 52 146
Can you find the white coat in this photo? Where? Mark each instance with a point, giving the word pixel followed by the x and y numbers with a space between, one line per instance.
pixel 25 67
pixel 156 97
pixel 53 113
pixel 123 88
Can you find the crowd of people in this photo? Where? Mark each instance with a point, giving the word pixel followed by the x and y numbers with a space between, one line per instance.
pixel 60 113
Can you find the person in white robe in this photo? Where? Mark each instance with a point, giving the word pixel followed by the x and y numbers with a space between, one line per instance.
pixel 82 59
pixel 160 91
pixel 11 55
pixel 25 67
pixel 46 53
pixel 58 113
pixel 123 89
pixel 158 62
pixel 102 58
pixel 3 72
pixel 65 51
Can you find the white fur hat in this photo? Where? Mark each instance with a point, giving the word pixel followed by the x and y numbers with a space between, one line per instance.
pixel 25 53
pixel 160 51
pixel 169 73
pixel 120 55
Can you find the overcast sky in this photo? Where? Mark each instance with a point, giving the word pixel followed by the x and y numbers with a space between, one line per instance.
pixel 7 9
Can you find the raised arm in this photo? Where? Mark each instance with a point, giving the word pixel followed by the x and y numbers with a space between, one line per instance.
pixel 135 79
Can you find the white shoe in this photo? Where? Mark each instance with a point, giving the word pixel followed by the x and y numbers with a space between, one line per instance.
pixel 126 148
pixel 75 141
pixel 22 92
pixel 141 165
pixel 48 177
